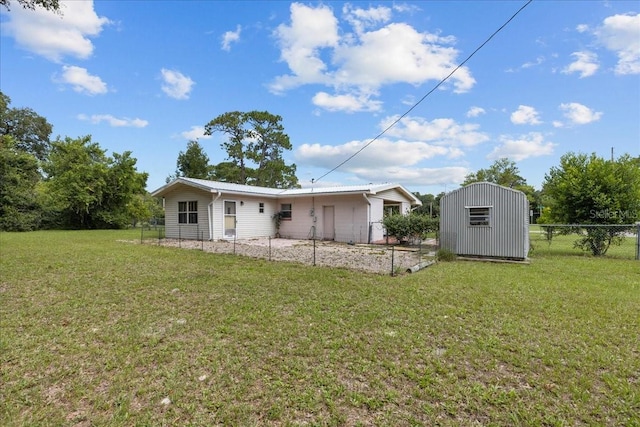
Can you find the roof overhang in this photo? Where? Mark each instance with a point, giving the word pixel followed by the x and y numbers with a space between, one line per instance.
pixel 272 193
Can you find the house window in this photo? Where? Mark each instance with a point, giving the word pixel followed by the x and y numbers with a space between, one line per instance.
pixel 261 208
pixel 285 211
pixel 479 216
pixel 188 212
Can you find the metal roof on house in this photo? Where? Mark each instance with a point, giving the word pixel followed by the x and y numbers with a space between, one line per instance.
pixel 227 187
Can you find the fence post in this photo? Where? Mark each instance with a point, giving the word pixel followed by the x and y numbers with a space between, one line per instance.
pixel 141 234
pixel 269 248
pixel 314 251
pixel 638 241
pixel 393 251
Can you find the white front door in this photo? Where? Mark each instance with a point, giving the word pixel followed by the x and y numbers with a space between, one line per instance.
pixel 229 219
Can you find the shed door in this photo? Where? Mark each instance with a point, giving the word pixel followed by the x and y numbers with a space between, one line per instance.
pixel 328 223
pixel 229 219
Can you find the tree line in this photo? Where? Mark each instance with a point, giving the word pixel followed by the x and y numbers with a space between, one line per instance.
pixel 73 183
pixel 65 183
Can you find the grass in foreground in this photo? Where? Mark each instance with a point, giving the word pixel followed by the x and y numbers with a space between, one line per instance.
pixel 100 332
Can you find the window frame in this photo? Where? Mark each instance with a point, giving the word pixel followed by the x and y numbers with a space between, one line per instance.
pixel 479 216
pixel 187 212
pixel 286 214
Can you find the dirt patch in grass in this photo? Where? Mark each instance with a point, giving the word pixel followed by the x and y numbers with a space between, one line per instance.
pixel 367 258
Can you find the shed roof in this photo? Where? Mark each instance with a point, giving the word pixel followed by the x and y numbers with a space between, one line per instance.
pixel 231 188
pixel 470 187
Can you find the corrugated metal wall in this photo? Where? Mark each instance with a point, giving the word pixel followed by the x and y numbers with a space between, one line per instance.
pixel 507 236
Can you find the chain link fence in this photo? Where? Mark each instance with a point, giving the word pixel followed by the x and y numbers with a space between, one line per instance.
pixel 614 241
pixel 390 259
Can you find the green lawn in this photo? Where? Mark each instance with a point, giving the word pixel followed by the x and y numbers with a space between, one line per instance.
pixel 561 245
pixel 95 331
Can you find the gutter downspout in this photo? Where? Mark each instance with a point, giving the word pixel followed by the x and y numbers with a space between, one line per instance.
pixel 210 212
pixel 366 199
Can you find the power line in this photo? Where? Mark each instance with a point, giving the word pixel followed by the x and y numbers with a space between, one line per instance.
pixel 395 122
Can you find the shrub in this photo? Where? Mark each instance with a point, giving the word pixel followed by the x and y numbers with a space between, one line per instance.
pixel 411 226
pixel 445 255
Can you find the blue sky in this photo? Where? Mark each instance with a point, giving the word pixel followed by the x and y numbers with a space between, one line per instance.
pixel 147 76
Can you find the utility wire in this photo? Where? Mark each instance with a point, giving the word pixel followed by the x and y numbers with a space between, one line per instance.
pixel 427 94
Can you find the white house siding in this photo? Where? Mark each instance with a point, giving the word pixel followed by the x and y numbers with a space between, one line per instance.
pixel 173 230
pixel 351 218
pixel 394 195
pixel 506 237
pixel 351 223
pixel 250 222
pixel 301 225
pixel 376 217
pixel 356 218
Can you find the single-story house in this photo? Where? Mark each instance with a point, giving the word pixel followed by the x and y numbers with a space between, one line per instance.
pixel 212 210
pixel 485 220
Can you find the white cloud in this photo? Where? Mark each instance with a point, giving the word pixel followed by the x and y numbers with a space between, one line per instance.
pixel 579 114
pixel 530 145
pixel 539 60
pixel 438 131
pixel 358 63
pixel 348 103
pixel 380 153
pixel 475 111
pixel 311 29
pixel 586 64
pixel 621 34
pixel 81 81
pixel 114 121
pixel 54 36
pixel 525 115
pixel 175 84
pixel 397 53
pixel 384 161
pixel 414 176
pixel 582 28
pixel 360 19
pixel 195 133
pixel 230 37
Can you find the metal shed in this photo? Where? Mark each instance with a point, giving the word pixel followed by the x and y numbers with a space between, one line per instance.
pixel 485 220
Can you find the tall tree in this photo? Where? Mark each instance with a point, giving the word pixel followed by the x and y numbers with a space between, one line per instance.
pixel 123 184
pixel 255 144
pixel 194 162
pixel 226 172
pixel 591 190
pixel 76 171
pixel 19 175
pixel 265 148
pixel 430 206
pixel 232 124
pixel 30 131
pixel 51 5
pixel 88 189
pixel 505 172
pixel 502 172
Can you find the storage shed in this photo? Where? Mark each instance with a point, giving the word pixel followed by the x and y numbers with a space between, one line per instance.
pixel 485 220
